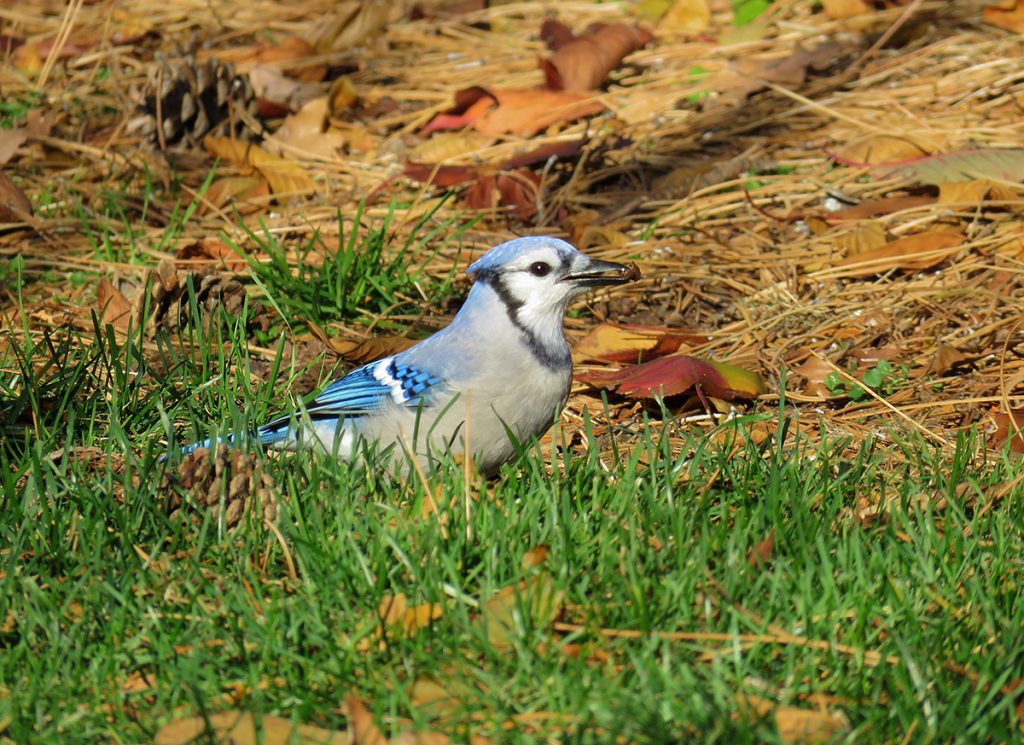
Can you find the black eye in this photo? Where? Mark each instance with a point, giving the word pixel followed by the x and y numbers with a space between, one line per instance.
pixel 540 269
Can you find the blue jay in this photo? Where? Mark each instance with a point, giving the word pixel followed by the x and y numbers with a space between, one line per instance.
pixel 499 372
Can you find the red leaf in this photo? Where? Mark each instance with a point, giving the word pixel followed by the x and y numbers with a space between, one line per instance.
pixel 441 175
pixel 516 190
pixel 675 374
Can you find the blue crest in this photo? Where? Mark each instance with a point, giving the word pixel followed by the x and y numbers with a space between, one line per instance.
pixel 506 252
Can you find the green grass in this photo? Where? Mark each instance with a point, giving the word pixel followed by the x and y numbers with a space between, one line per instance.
pixel 99 587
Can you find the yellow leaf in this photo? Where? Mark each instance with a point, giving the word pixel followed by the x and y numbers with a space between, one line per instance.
pixel 239 728
pixel 875 149
pixel 686 16
pixel 845 8
pixel 362 729
pixel 450 146
pixel 864 236
pixel 247 193
pixel 283 176
pixel 501 617
pixel 972 192
pixel 307 130
pixel 919 251
pixel 796 725
pixel 352 22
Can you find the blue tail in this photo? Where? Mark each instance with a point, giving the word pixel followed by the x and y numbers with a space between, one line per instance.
pixel 268 435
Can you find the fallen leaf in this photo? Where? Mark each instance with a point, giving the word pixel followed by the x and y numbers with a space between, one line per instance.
pixel 360 352
pixel 513 111
pixel 946 357
pixel 761 552
pixel 450 146
pixel 632 342
pixel 362 729
pixel 271 86
pixel 284 176
pixel 397 619
pixel 10 141
pixel 350 23
pixel 963 165
pixel 877 207
pixel 309 131
pixel 914 252
pixel 1008 429
pixel 675 374
pixel 112 306
pixel 517 192
pixel 534 601
pixel 878 150
pixel 14 205
pixel 973 192
pixel 686 16
pixel 239 728
pixel 208 252
pixel 815 370
pixel 796 725
pixel 861 238
pixel 584 63
pixel 247 194
pixel 748 75
pixel 838 9
pixel 1010 18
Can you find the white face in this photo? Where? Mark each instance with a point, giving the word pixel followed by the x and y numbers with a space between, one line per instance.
pixel 535 280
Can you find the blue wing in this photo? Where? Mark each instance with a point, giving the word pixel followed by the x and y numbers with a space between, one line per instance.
pixel 363 391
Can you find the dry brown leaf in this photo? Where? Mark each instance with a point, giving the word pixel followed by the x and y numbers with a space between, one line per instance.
pixel 686 16
pixel 796 725
pixel 1004 16
pixel 446 146
pixel 351 22
pixel 749 75
pixel 14 205
pixel 945 358
pixel 362 729
pixel 247 194
pixel 914 252
pixel 845 8
pixel 271 86
pixel 112 306
pixel 1008 428
pixel 284 176
pixel 308 130
pixel 878 149
pixel 208 252
pixel 815 370
pixel 972 192
pixel 632 342
pixel 239 728
pixel 286 55
pixel 368 350
pixel 861 238
pixel 877 207
pixel 513 111
pixel 10 141
pixel 761 552
pixel 584 63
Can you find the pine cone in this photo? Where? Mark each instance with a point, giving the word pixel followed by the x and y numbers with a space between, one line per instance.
pixel 168 307
pixel 187 100
pixel 171 305
pixel 210 480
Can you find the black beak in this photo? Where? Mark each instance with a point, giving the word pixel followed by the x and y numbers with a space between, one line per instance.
pixel 602 273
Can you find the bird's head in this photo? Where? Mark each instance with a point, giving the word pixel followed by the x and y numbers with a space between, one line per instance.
pixel 536 277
